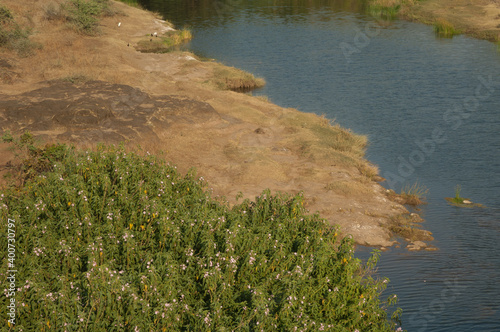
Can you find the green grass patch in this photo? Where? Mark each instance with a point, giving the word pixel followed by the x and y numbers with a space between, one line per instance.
pixel 109 240
pixel 13 36
pixel 84 15
pixel 444 28
pixel 383 12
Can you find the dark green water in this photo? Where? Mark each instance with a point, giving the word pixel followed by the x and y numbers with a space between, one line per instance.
pixel 431 109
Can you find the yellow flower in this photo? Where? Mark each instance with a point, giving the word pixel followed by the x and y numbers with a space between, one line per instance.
pixel 145 191
pixel 69 203
pixel 142 226
pixel 48 324
pixel 361 296
pixel 100 253
pixel 345 260
pixel 130 225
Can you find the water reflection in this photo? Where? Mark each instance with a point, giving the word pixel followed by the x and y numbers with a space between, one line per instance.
pixel 218 12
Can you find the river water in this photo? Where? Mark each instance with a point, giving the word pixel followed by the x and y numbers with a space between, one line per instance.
pixel 431 109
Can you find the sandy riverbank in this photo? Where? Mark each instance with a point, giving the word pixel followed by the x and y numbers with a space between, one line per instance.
pixel 83 89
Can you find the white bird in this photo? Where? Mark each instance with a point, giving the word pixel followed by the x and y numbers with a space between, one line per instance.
pixel 119 23
pixel 155 34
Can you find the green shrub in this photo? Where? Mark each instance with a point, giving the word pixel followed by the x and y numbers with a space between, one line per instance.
pixel 5 15
pixel 84 14
pixel 112 241
pixel 13 36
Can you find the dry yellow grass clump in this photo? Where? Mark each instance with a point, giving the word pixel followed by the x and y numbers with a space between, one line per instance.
pixel 230 78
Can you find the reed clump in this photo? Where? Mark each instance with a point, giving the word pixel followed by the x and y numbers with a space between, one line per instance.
pixel 414 194
pixel 114 240
pixel 444 28
pixel 410 194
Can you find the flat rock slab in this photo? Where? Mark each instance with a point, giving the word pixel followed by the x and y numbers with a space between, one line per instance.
pixel 97 111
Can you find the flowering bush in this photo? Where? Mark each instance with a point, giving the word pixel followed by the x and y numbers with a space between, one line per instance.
pixel 113 241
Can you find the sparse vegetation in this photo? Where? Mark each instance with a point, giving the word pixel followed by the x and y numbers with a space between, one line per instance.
pixel 53 12
pixel 460 201
pixel 132 3
pixel 348 188
pixel 389 9
pixel 384 9
pixel 77 79
pixel 84 14
pixel 164 43
pixel 230 78
pixel 444 28
pixel 13 36
pixel 457 198
pixel 410 194
pixel 117 241
pixel 414 194
pixel 263 98
pixel 408 227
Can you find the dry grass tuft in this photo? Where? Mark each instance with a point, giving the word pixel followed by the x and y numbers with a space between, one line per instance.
pixel 317 139
pixel 406 226
pixel 165 43
pixel 414 194
pixel 410 195
pixel 234 79
pixel 348 188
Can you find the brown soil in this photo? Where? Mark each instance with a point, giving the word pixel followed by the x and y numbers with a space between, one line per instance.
pixel 478 18
pixel 86 90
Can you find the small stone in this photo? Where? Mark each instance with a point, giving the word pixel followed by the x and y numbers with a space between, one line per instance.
pixel 420 244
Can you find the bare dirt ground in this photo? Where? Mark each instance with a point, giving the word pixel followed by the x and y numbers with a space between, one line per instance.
pixel 478 18
pixel 86 90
